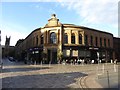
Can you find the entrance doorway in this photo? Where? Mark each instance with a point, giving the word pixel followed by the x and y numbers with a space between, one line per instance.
pixel 94 55
pixel 52 56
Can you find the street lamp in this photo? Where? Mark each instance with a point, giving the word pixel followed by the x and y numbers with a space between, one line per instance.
pixel 85 55
pixel 70 54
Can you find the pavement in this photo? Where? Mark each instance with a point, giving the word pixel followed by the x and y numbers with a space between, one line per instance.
pixel 19 75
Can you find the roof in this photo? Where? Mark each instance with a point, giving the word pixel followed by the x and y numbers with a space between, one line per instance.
pixel 82 27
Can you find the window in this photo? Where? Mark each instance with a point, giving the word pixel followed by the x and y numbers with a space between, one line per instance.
pixel 101 42
pixel 96 41
pixel 91 40
pixel 53 38
pixel 42 39
pixel 73 38
pixel 80 39
pixel 86 40
pixel 65 38
pixel 108 42
pixel 36 40
pixel 104 42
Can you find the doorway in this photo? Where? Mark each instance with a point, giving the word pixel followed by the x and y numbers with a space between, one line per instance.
pixel 52 56
pixel 94 55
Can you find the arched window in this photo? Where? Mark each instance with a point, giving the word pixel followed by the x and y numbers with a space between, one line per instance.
pixel 91 41
pixel 96 41
pixel 100 41
pixel 65 38
pixel 86 39
pixel 80 39
pixel 104 42
pixel 108 42
pixel 53 38
pixel 42 39
pixel 36 40
pixel 73 38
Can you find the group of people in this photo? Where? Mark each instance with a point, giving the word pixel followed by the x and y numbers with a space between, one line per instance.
pixel 115 61
pixel 79 61
pixel 88 61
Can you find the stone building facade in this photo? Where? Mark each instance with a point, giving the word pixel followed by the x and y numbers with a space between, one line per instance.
pixel 56 42
pixel 116 46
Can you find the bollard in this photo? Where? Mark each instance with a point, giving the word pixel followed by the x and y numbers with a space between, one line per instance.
pixel 103 68
pixel 108 79
pixel 41 63
pixel 35 63
pixel 97 72
pixel 114 67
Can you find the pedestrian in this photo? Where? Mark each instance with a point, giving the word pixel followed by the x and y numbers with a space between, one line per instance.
pixel 92 61
pixel 111 61
pixel 115 61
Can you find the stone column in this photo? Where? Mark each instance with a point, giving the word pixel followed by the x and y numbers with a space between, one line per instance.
pixel 83 42
pixel 60 41
pixel 69 37
pixel 77 37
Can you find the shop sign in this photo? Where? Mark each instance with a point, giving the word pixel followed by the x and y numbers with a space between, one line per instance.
pixel 75 53
pixel 67 52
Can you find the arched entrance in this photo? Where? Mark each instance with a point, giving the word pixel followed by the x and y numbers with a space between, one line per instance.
pixel 52 56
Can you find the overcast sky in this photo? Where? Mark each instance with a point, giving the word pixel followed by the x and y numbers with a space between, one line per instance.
pixel 18 18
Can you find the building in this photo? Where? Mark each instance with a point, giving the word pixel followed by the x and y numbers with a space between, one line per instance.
pixel 0 49
pixel 7 50
pixel 56 42
pixel 18 54
pixel 116 46
pixel 0 37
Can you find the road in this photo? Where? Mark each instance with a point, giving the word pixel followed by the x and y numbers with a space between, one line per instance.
pixel 19 75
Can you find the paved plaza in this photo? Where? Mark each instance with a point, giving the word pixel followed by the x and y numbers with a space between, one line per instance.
pixel 20 75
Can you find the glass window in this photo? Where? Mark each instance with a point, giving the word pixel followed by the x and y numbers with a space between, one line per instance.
pixel 73 38
pixel 53 38
pixel 108 42
pixel 96 41
pixel 86 40
pixel 101 42
pixel 104 42
pixel 80 39
pixel 91 40
pixel 65 38
pixel 42 39
pixel 36 40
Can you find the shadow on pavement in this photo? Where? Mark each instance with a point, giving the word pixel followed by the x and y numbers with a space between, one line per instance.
pixel 6 70
pixel 57 80
pixel 113 84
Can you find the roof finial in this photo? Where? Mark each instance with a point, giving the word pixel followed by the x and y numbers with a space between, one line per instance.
pixel 53 16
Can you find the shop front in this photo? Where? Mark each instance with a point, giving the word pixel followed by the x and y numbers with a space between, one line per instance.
pixel 52 56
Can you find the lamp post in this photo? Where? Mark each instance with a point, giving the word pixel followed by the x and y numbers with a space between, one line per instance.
pixel 85 56
pixel 70 54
